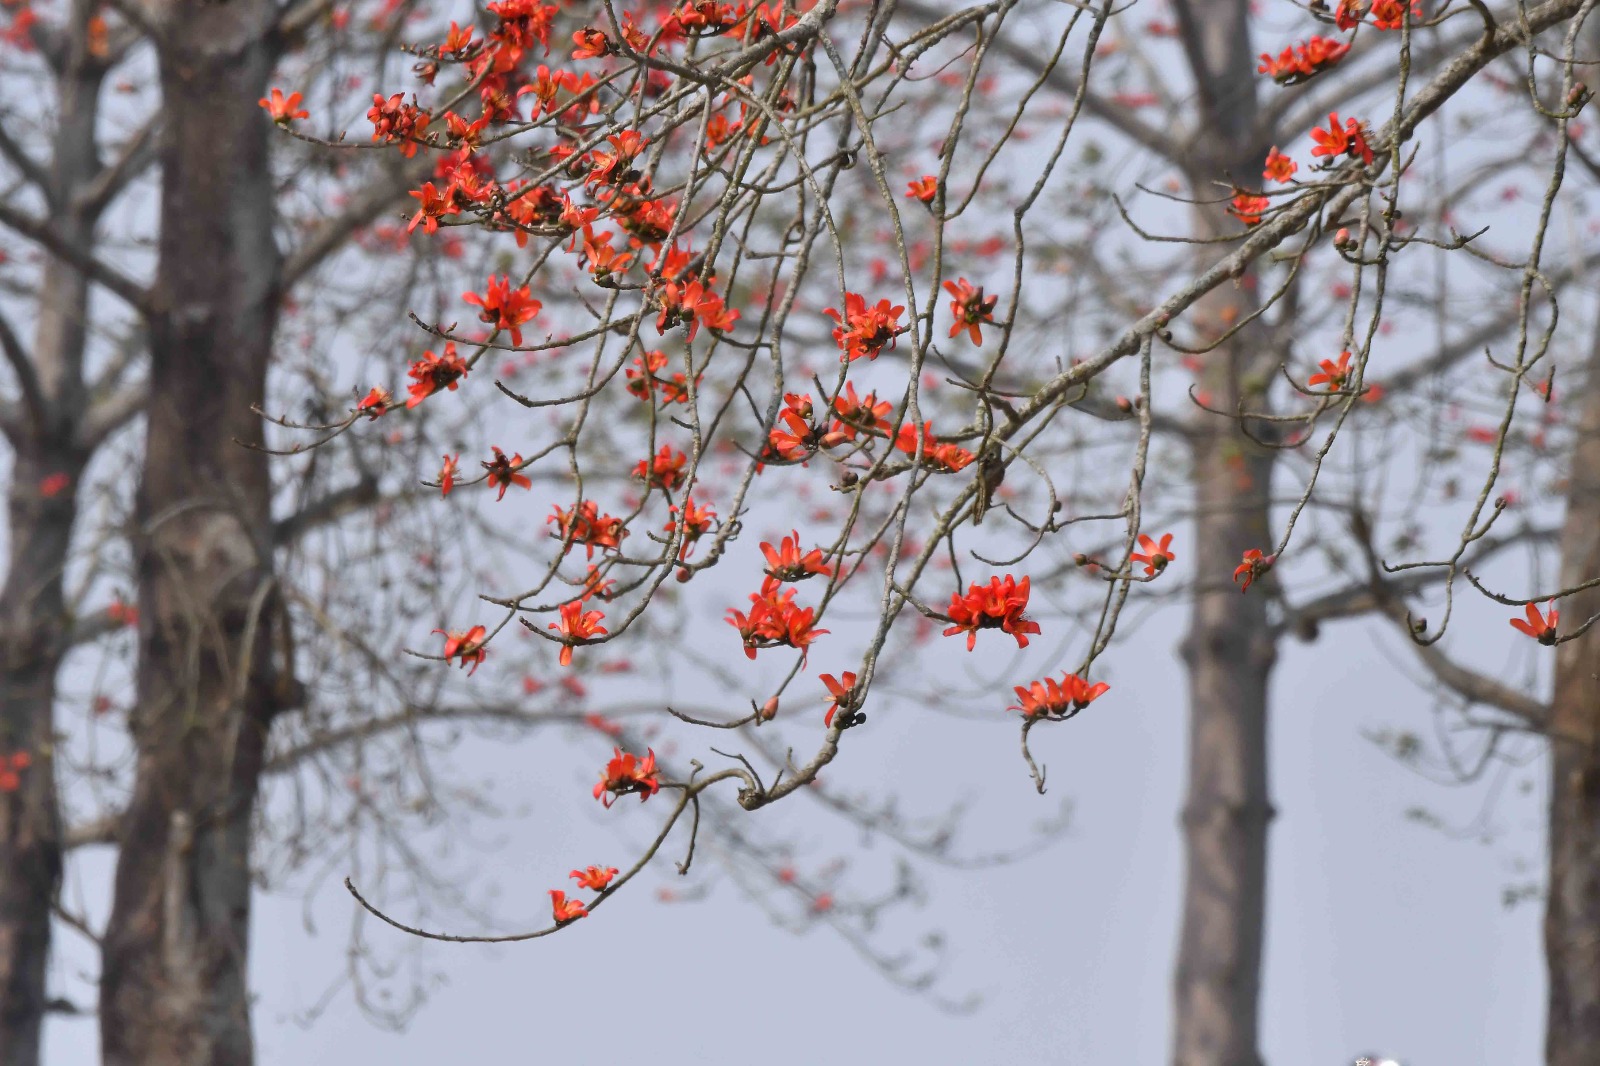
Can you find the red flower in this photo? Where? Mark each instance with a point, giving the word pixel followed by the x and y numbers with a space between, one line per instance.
pixel 595 877
pixel 283 109
pixel 435 372
pixel 856 413
pixel 587 526
pixel 936 454
pixel 863 331
pixel 1280 168
pixel 786 563
pixel 627 773
pixel 616 166
pixel 1254 565
pixel 1538 626
pixel 845 698
pixel 11 767
pixel 566 910
pixel 434 206
pixel 376 403
pixel 796 442
pixel 592 44
pixel 602 259
pixel 1248 207
pixel 924 188
pixel 123 613
pixel 53 485
pixel 1349 139
pixel 447 475
pixel 576 624
pixel 1155 557
pixel 394 120
pixel 664 471
pixel 694 303
pixel 971 309
pixel 998 605
pixel 1052 699
pixel 503 473
pixel 503 308
pixel 695 522
pixel 1334 375
pixel 1297 63
pixel 775 621
pixel 466 648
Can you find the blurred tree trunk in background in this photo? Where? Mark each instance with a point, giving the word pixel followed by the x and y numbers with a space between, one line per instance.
pixel 211 638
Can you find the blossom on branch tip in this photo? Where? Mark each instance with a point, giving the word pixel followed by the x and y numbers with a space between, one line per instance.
pixel 283 109
pixel 787 563
pixel 1050 698
pixel 844 698
pixel 923 189
pixel 465 647
pixel 1254 565
pixel 1348 139
pixel 503 473
pixel 1538 626
pixel 595 877
pixel 1279 167
pixel 971 309
pixel 393 120
pixel 1298 63
pixel 627 773
pixel 505 308
pixel 864 331
pixel 1155 557
pixel 433 372
pixel 447 474
pixel 664 470
pixel 1334 375
pixel 998 605
pixel 775 620
pixel 376 403
pixel 11 767
pixel 566 910
pixel 577 624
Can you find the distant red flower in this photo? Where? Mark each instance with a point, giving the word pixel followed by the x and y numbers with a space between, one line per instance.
pixel 664 470
pixel 695 303
pixel 998 605
pixel 1155 557
pixel 577 624
pixel 595 877
pixel 503 307
pixel 1297 63
pixel 1279 168
pixel 845 698
pixel 924 189
pixel 1254 565
pixel 787 563
pixel 1248 207
pixel 53 485
pixel 1334 375
pixel 283 109
pixel 566 910
pixel 447 474
pixel 1052 699
pixel 1539 627
pixel 971 309
pixel 11 767
pixel 503 473
pixel 465 647
pixel 627 773
pixel 123 613
pixel 433 373
pixel 940 455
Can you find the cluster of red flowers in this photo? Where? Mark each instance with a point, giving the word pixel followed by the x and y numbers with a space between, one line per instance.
pixel 863 330
pixel 1348 139
pixel 587 526
pixel 788 563
pixel 627 773
pixel 797 438
pixel 1050 698
pixel 856 413
pixel 395 121
pixel 1299 62
pixel 942 456
pixel 1386 14
pixel 775 621
pixel 998 605
pixel 11 767
pixel 695 303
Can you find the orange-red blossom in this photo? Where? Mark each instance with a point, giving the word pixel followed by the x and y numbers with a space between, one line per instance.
pixel 844 697
pixel 595 877
pixel 627 773
pixel 1155 557
pixel 1253 566
pixel 465 647
pixel 566 910
pixel 998 605
pixel 577 624
pixel 1538 626
pixel 1050 698
pixel 284 109
pixel 775 620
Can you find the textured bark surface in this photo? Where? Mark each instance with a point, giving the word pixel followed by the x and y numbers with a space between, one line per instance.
pixel 174 988
pixel 1229 651
pixel 45 439
pixel 1572 906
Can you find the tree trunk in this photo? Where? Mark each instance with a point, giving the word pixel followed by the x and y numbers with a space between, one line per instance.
pixel 41 514
pixel 174 985
pixel 1572 906
pixel 1229 650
